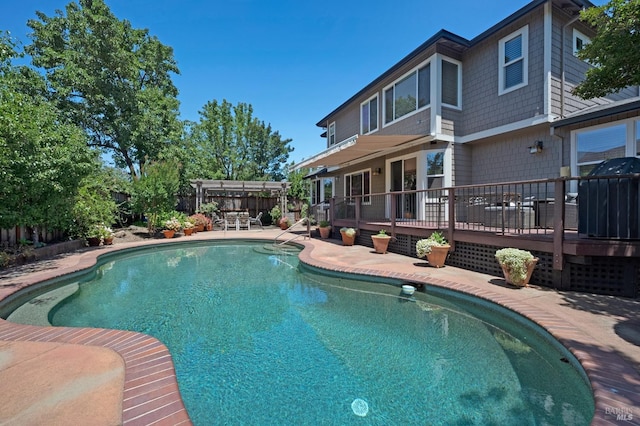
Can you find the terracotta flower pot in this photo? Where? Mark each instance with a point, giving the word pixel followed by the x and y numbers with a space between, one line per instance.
pixel 188 231
pixel 516 282
pixel 438 255
pixel 380 243
pixel 168 233
pixel 93 241
pixel 108 241
pixel 347 240
pixel 199 228
pixel 325 231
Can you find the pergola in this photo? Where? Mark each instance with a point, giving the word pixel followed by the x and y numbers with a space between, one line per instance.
pixel 233 188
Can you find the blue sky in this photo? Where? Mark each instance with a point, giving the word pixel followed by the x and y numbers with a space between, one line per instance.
pixel 293 60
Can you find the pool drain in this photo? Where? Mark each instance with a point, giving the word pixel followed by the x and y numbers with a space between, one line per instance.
pixel 360 407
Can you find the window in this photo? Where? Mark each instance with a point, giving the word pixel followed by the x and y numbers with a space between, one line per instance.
pixel 408 94
pixel 596 145
pixel 450 83
pixel 358 183
pixel 331 134
pixel 369 116
pixel 638 138
pixel 321 190
pixel 513 51
pixel 435 169
pixel 579 41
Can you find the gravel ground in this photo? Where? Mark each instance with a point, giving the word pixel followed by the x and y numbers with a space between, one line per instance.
pixel 132 233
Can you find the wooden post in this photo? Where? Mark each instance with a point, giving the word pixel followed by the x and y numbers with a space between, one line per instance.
pixel 452 217
pixel 393 213
pixel 558 224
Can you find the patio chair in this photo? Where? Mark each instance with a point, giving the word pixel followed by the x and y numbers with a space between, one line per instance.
pixel 243 221
pixel 218 221
pixel 231 221
pixel 256 220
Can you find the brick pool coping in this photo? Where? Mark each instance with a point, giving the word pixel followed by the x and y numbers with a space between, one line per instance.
pixel 151 394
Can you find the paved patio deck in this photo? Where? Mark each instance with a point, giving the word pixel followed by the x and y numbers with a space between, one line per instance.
pixel 68 375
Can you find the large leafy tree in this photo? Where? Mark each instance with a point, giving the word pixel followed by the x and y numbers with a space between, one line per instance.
pixel 614 51
pixel 112 80
pixel 230 143
pixel 42 157
pixel 154 194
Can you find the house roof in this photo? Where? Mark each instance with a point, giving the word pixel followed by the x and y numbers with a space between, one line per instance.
pixel 599 111
pixel 456 42
pixel 355 148
pixel 442 36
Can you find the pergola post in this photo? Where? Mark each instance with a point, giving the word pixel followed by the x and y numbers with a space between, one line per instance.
pixel 198 195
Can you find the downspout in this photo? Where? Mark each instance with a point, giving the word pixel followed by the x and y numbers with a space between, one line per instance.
pixel 564 28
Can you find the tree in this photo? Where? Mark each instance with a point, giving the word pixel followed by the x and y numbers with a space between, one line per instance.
pixel 42 156
pixel 614 51
pixel 299 186
pixel 112 80
pixel 155 192
pixel 229 143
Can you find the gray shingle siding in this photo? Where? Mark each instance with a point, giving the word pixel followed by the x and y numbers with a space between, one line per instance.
pixel 507 158
pixel 483 107
pixel 574 71
pixel 503 157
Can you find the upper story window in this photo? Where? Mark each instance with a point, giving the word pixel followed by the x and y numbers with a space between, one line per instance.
pixel 409 94
pixel 579 41
pixel 451 76
pixel 369 116
pixel 358 184
pixel 331 134
pixel 514 57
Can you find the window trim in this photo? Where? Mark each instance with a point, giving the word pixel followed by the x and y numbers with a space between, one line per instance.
pixel 368 102
pixel 414 71
pixel 578 35
pixel 632 124
pixel 524 33
pixel 459 100
pixel 317 191
pixel 331 132
pixel 366 198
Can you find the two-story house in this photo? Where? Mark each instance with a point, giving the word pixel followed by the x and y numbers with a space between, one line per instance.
pixel 496 108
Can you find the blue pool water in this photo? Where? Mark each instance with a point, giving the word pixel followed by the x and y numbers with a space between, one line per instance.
pixel 258 339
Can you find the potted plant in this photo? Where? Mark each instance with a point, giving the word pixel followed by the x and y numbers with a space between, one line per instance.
pixel 435 248
pixel 94 235
pixel 325 228
pixel 275 214
pixel 208 209
pixel 106 235
pixel 188 226
pixel 348 236
pixel 517 265
pixel 284 223
pixel 171 226
pixel 200 221
pixel 381 241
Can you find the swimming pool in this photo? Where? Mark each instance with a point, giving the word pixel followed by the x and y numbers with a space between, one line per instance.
pixel 271 342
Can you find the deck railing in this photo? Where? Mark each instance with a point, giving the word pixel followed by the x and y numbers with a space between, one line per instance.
pixel 606 206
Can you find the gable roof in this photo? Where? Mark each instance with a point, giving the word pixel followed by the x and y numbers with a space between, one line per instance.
pixel 456 42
